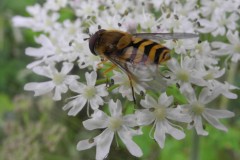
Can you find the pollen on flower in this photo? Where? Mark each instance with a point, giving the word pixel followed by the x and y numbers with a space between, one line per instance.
pixel 237 48
pixel 223 22
pixel 209 76
pixel 91 140
pixel 183 75
pixel 160 113
pixel 198 108
pixel 115 123
pixel 78 46
pixel 58 79
pixel 89 92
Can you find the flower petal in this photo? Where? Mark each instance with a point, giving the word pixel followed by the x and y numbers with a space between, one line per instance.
pixel 214 122
pixel 199 127
pixel 67 67
pixel 85 144
pixel 233 38
pixel 75 105
pixel 103 143
pixel 164 100
pixel 159 134
pixel 95 102
pixel 176 115
pixel 190 95
pixel 115 108
pixel 148 102
pixel 174 132
pixel 132 147
pixel 144 117
pixel 173 65
pixel 101 90
pixel 91 78
pixel 219 113
pixel 206 96
pixel 43 71
pixel 39 88
pixel 130 120
pixel 96 123
pixel 77 87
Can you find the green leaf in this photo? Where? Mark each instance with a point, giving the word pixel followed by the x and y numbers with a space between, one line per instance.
pixel 5 103
pixel 178 97
pixel 145 142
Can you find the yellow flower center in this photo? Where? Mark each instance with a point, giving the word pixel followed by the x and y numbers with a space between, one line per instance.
pixel 89 92
pixel 160 113
pixel 209 76
pixel 115 123
pixel 237 48
pixel 198 108
pixel 58 79
pixel 183 75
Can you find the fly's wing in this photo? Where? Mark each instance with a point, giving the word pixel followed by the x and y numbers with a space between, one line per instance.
pixel 165 36
pixel 147 75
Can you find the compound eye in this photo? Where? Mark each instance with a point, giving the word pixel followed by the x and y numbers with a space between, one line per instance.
pixel 93 40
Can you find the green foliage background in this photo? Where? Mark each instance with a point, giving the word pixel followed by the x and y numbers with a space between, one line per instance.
pixel 36 128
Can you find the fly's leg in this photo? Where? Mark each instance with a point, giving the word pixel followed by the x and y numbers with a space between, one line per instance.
pixel 103 60
pixel 109 69
pixel 131 84
pixel 133 95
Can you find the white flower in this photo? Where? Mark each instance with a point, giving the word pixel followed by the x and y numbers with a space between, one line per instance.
pixel 109 22
pixel 176 23
pixel 214 73
pixel 182 46
pixel 232 49
pixel 28 22
pixel 41 20
pixel 214 7
pixel 52 50
pixel 186 74
pixel 197 108
pixel 204 54
pixel 219 24
pixel 86 58
pixel 187 9
pixel 59 80
pixel 223 89
pixel 90 94
pixel 158 3
pixel 55 4
pixel 160 113
pixel 85 8
pixel 89 60
pixel 114 124
pixel 124 85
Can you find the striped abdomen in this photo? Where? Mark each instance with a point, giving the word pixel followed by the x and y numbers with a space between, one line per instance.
pixel 145 51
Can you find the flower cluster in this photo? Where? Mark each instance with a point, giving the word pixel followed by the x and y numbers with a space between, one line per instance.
pixel 195 72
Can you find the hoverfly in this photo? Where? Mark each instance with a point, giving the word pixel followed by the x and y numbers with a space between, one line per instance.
pixel 127 50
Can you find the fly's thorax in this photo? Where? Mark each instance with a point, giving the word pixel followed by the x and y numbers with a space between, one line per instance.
pixel 112 41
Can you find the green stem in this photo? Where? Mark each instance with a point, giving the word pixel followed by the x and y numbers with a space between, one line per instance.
pixel 195 146
pixel 101 81
pixel 112 88
pixel 230 79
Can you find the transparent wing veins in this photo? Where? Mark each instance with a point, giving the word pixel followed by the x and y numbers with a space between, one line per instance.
pixel 166 36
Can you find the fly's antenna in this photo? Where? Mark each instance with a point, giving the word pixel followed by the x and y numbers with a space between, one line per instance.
pixel 90 35
pixel 85 39
pixel 71 43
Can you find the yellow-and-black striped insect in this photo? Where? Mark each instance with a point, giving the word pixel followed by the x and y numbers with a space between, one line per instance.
pixel 126 50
